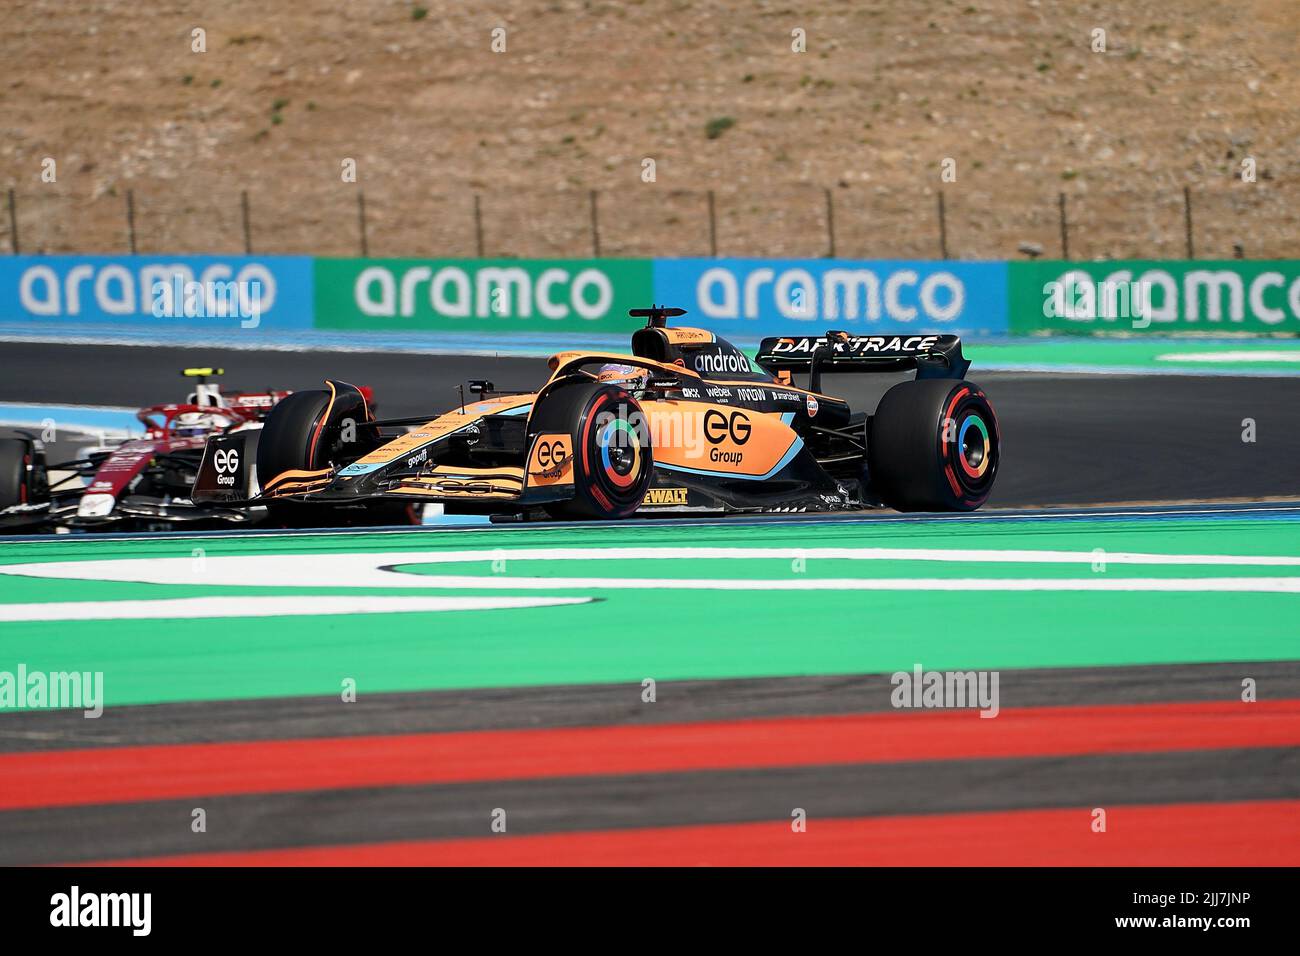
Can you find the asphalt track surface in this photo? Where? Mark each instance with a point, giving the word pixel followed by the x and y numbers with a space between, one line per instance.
pixel 709 774
pixel 1067 439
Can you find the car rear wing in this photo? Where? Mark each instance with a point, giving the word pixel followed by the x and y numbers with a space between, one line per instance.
pixel 933 356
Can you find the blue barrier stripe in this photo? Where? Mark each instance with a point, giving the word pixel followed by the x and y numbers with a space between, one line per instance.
pixel 71 417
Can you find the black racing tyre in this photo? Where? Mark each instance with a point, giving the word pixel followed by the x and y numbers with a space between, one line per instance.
pixel 290 437
pixel 613 458
pixel 22 473
pixel 306 431
pixel 934 445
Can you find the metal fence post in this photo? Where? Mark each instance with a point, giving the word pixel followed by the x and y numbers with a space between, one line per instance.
pixel 130 219
pixel 361 222
pixel 943 229
pixel 478 227
pixel 1065 229
pixel 248 234
pixel 1187 220
pixel 713 228
pixel 13 221
pixel 830 223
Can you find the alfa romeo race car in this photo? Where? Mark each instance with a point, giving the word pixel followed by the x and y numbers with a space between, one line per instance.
pixel 140 483
pixel 684 424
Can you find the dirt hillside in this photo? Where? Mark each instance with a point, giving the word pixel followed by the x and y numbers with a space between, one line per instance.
pixel 711 90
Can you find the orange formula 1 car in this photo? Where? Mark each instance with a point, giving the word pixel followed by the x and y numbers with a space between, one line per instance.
pixel 685 424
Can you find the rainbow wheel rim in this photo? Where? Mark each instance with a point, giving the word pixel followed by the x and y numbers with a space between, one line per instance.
pixel 974 450
pixel 620 457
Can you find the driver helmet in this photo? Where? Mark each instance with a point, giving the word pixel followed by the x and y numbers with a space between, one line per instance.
pixel 618 372
pixel 192 424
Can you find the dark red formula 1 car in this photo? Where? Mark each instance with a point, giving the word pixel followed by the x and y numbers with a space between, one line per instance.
pixel 138 484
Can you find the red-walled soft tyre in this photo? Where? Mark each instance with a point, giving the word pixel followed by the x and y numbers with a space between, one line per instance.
pixel 934 446
pixel 612 455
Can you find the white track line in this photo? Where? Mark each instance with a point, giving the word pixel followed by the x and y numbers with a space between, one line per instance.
pixel 1099 583
pixel 370 569
pixel 979 555
pixel 1246 355
pixel 379 570
pixel 201 607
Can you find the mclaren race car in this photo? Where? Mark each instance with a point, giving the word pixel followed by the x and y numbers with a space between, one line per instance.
pixel 687 423
pixel 138 484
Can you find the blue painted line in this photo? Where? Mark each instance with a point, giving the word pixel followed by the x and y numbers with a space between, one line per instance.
pixel 451 521
pixel 1199 371
pixel 427 343
pixel 71 417
pixel 543 345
